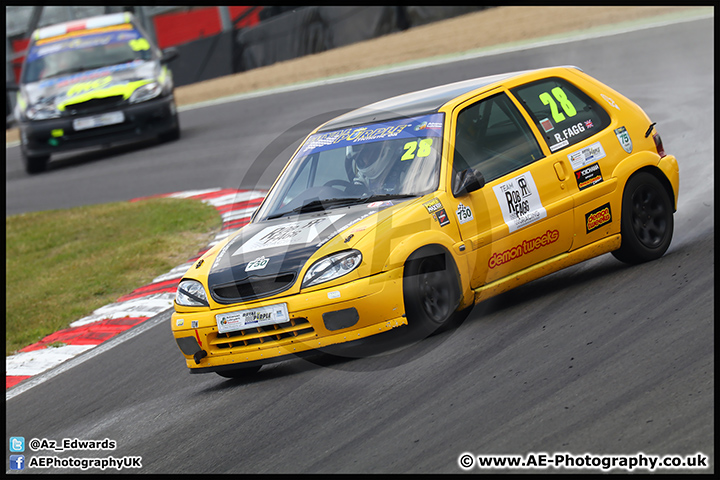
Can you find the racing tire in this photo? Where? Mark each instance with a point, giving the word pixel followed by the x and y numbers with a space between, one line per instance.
pixel 646 225
pixel 171 135
pixel 35 164
pixel 246 372
pixel 431 293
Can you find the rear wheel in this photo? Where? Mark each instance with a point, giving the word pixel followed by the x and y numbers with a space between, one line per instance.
pixel 431 292
pixel 647 220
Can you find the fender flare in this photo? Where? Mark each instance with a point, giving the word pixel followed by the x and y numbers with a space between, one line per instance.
pixel 434 240
pixel 665 169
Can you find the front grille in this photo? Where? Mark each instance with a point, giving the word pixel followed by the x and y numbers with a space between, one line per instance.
pixel 297 329
pixel 253 288
pixel 95 105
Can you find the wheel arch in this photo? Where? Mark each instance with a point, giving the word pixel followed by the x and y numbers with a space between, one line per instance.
pixel 650 163
pixel 661 177
pixel 438 250
pixel 637 250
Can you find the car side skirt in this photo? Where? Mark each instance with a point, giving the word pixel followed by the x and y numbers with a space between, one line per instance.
pixel 547 267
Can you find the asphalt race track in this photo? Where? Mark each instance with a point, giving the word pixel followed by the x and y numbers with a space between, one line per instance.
pixel 599 359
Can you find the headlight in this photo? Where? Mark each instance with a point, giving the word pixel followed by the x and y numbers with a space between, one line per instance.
pixel 146 92
pixel 190 293
pixel 332 267
pixel 42 111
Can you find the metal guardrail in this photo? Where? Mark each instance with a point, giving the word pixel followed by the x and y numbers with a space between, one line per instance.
pixel 294 31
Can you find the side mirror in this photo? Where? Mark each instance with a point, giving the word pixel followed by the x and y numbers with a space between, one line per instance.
pixel 169 54
pixel 468 181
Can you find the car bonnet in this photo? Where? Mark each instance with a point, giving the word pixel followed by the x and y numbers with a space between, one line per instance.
pixel 68 89
pixel 283 246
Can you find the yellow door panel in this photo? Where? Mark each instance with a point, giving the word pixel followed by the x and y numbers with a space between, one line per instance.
pixel 523 215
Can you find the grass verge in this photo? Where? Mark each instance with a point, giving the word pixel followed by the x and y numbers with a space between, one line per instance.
pixel 61 265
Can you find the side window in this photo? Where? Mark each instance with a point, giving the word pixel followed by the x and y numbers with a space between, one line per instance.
pixel 493 138
pixel 563 113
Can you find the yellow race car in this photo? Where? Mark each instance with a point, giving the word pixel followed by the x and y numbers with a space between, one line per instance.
pixel 407 212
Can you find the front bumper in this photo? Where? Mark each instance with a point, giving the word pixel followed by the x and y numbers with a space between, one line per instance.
pixel 317 319
pixel 142 121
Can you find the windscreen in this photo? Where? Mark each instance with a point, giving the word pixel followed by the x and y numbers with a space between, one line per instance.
pixel 393 159
pixel 86 50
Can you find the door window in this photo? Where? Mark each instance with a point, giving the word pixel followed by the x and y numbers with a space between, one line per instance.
pixel 493 138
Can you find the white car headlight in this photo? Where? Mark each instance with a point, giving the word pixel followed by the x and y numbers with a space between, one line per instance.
pixel 190 293
pixel 42 111
pixel 146 92
pixel 332 267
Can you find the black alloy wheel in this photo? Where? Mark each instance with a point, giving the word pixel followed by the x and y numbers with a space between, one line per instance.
pixel 647 220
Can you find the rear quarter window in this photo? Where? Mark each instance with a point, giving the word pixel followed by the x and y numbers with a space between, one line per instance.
pixel 563 113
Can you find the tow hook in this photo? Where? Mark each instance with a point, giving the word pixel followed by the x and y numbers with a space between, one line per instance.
pixel 199 355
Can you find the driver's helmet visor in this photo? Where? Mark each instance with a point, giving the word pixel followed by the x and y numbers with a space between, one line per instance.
pixel 365 154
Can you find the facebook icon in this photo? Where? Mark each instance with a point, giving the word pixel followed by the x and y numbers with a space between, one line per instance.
pixel 17 462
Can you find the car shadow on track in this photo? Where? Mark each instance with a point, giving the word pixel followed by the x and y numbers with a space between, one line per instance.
pixel 95 154
pixel 77 158
pixel 568 279
pixel 600 270
pixel 393 348
pixel 379 352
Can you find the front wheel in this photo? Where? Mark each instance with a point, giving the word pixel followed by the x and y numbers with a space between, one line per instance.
pixel 646 225
pixel 431 292
pixel 35 164
pixel 172 134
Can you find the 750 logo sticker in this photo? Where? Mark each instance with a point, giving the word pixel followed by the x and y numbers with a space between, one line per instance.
pixel 464 214
pixel 257 264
